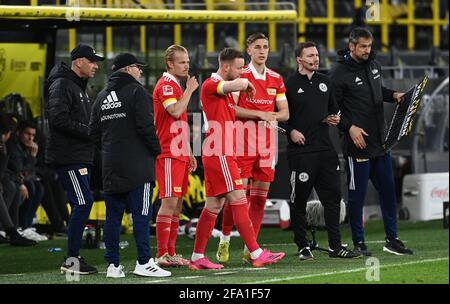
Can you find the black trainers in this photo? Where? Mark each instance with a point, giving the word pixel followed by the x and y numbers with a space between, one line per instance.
pixel 344 253
pixel 361 249
pixel 77 265
pixel 305 254
pixel 396 247
pixel 15 239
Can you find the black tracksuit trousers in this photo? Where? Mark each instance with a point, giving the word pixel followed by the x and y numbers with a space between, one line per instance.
pixel 318 170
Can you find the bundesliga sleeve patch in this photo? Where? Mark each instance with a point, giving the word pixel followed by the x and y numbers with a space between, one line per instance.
pixel 167 90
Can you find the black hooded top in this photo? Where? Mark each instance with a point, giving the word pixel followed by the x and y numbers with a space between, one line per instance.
pixel 68 111
pixel 360 94
pixel 122 122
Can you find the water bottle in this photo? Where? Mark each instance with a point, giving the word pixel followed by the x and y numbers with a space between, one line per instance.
pixel 55 249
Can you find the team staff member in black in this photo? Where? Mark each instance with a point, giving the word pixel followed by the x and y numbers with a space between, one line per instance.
pixel 69 149
pixel 312 159
pixel 122 123
pixel 360 94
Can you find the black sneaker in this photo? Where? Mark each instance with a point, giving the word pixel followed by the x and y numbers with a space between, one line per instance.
pixel 77 265
pixel 15 239
pixel 305 254
pixel 361 249
pixel 396 247
pixel 344 253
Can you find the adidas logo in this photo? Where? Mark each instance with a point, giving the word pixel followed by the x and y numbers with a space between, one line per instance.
pixel 358 81
pixel 300 91
pixel 111 102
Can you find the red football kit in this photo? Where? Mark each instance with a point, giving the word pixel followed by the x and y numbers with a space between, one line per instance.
pixel 172 164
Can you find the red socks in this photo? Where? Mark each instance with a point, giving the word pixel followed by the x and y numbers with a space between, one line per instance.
pixel 173 234
pixel 205 226
pixel 256 210
pixel 163 229
pixel 227 220
pixel 243 223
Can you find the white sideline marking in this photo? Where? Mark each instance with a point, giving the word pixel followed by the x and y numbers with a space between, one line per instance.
pixel 174 278
pixel 191 277
pixel 12 274
pixel 156 281
pixel 226 272
pixel 343 271
pixel 293 244
pixel 247 268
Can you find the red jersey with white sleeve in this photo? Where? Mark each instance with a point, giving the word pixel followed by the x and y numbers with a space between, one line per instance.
pixel 174 143
pixel 219 115
pixel 222 174
pixel 256 144
pixel 269 89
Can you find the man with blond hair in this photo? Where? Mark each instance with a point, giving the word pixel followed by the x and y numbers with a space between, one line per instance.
pixel 176 160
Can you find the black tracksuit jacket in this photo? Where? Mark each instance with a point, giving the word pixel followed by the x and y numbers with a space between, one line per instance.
pixel 310 101
pixel 122 122
pixel 360 94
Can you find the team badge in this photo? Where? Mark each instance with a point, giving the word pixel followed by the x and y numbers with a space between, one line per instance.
pixel 323 87
pixel 271 91
pixel 303 177
pixel 167 90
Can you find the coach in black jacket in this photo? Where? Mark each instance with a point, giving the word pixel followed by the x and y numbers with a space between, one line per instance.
pixel 69 148
pixel 122 122
pixel 360 94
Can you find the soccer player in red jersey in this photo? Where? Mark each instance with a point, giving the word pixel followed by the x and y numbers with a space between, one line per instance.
pixel 176 160
pixel 257 162
pixel 222 179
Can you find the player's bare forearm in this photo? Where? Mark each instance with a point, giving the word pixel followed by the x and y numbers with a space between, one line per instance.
pixel 247 114
pixel 282 115
pixel 240 84
pixel 180 106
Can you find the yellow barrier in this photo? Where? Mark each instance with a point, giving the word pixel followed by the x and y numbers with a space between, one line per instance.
pixel 144 15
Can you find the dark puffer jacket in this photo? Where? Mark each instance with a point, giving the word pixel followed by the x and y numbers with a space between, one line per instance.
pixel 68 111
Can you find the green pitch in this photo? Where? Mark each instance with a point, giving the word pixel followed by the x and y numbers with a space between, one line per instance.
pixel 429 264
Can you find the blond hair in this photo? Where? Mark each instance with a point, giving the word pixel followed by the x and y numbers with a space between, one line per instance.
pixel 171 50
